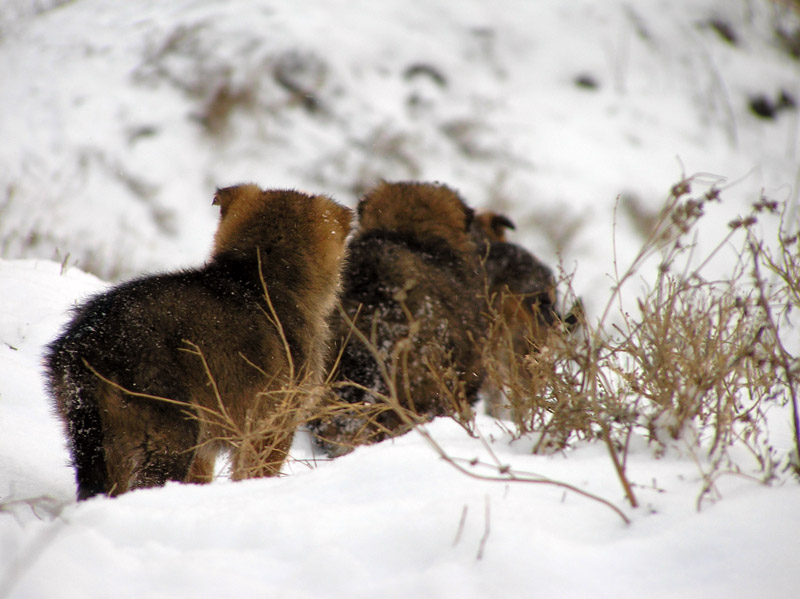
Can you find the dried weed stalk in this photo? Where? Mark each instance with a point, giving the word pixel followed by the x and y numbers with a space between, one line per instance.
pixel 701 362
pixel 532 377
pixel 493 470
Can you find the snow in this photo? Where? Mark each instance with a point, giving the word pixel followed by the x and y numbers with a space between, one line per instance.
pixel 108 169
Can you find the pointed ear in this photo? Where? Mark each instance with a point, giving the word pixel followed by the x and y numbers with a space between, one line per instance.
pixel 226 197
pixel 500 222
pixel 494 225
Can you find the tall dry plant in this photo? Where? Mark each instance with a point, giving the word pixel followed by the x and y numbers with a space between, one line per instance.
pixel 700 364
pixel 403 365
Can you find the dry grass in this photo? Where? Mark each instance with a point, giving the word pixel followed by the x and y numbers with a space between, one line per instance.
pixel 531 376
pixel 695 367
pixel 492 470
pixel 262 445
pixel 699 365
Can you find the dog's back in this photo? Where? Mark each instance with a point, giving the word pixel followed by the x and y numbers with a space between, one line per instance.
pixel 412 288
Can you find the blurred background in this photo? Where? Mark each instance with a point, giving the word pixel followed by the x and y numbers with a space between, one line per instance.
pixel 118 120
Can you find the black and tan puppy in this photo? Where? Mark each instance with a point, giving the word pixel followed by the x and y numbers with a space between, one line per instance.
pixel 519 287
pixel 521 306
pixel 412 287
pixel 151 377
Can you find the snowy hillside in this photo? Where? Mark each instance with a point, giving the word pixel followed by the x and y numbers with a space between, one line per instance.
pixel 575 118
pixel 129 116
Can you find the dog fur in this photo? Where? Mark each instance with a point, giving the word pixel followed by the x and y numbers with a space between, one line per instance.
pixel 412 286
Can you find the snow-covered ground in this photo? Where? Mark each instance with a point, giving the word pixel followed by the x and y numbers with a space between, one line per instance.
pixel 119 119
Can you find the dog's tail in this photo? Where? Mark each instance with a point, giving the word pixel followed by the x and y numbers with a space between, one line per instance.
pixel 74 389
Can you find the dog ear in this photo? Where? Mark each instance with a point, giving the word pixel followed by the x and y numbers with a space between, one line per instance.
pixel 226 197
pixel 494 225
pixel 499 224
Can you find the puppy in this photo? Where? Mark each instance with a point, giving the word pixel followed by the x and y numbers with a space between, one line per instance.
pixel 519 288
pixel 520 292
pixel 411 288
pixel 153 377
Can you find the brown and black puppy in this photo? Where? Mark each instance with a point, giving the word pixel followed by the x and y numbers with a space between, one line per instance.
pixel 519 287
pixel 151 377
pixel 412 286
pixel 520 292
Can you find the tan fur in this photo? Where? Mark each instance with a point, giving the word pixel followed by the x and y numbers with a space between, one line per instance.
pixel 237 205
pixel 155 376
pixel 397 207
